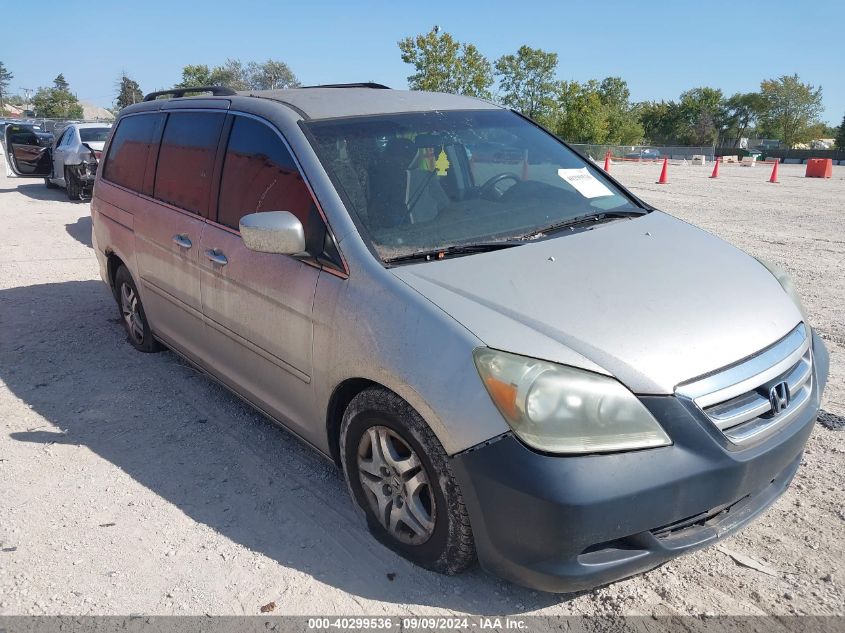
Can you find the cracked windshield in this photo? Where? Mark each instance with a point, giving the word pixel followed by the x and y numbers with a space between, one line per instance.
pixel 420 182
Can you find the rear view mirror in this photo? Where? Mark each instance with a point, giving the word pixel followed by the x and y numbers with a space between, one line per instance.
pixel 25 153
pixel 273 232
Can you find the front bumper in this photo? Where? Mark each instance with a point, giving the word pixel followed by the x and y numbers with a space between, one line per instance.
pixel 564 524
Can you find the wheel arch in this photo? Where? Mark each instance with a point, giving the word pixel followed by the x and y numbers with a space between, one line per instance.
pixel 350 387
pixel 338 403
pixel 113 262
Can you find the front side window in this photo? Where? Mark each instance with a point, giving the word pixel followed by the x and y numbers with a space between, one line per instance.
pixel 259 174
pixel 21 134
pixel 186 159
pixel 67 139
pixel 130 147
pixel 419 182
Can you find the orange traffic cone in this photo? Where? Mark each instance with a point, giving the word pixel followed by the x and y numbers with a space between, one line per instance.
pixel 715 173
pixel 607 161
pixel 774 177
pixel 664 173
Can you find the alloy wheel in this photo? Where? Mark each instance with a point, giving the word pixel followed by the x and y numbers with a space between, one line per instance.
pixel 396 485
pixel 131 310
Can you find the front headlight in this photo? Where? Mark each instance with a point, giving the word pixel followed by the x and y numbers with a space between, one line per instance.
pixel 785 281
pixel 560 409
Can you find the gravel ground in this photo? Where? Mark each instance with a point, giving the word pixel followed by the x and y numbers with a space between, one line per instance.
pixel 132 484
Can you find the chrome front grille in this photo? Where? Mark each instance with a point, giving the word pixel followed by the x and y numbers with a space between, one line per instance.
pixel 738 399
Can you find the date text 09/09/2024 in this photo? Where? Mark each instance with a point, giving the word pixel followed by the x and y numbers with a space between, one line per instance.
pixel 427 623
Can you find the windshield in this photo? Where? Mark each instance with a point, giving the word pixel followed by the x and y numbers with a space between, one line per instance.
pixel 433 180
pixel 93 134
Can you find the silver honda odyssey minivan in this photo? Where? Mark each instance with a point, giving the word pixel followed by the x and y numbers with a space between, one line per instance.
pixel 511 357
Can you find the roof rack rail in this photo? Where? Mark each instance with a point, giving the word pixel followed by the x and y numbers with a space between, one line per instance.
pixel 217 91
pixel 366 84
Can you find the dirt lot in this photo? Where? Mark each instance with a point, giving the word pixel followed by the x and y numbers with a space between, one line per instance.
pixel 130 483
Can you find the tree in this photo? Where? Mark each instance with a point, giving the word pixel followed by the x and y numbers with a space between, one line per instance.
pixel 271 75
pixel 742 111
pixel 129 92
pixel 59 83
pixel 234 74
pixel 701 116
pixel 659 121
pixel 231 74
pixel 443 64
pixel 597 112
pixel 56 103
pixel 697 118
pixel 623 125
pixel 825 131
pixel 580 116
pixel 792 108
pixel 527 83
pixel 5 77
pixel 840 135
pixel 195 75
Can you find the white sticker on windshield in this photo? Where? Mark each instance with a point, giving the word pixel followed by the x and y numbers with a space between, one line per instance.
pixel 584 182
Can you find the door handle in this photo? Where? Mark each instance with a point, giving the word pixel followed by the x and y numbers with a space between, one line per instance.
pixel 182 241
pixel 217 257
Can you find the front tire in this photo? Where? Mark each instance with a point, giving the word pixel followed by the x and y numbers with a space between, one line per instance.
pixel 132 313
pixel 399 477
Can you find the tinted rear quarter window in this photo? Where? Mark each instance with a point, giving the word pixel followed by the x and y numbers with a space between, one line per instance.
pixel 259 174
pixel 127 158
pixel 186 159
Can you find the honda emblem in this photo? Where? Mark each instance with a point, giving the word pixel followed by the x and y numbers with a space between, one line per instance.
pixel 779 397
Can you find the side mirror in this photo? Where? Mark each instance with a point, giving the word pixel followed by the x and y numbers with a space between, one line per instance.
pixel 273 232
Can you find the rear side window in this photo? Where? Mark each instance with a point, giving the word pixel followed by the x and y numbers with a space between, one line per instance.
pixel 186 159
pixel 127 159
pixel 259 174
pixel 93 134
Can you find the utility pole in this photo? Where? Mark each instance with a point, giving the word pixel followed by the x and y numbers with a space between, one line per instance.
pixel 26 93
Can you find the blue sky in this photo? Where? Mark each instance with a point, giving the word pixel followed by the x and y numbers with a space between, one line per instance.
pixel 660 48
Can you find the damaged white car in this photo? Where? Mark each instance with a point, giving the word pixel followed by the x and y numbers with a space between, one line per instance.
pixel 75 156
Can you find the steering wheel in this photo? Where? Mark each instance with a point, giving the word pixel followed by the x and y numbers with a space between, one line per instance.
pixel 489 187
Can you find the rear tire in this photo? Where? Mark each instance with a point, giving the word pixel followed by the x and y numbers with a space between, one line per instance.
pixel 72 186
pixel 399 477
pixel 132 313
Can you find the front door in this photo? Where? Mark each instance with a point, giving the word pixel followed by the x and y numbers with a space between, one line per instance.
pixel 258 306
pixel 25 156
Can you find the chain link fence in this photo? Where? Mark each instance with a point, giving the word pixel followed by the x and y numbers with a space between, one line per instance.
pixel 54 126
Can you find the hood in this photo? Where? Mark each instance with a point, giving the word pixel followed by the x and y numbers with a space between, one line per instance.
pixel 651 300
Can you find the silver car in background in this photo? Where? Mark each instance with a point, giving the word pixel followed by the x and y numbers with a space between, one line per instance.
pixel 76 153
pixel 510 356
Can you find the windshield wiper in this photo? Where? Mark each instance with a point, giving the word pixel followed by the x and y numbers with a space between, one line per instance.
pixel 461 249
pixel 581 220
